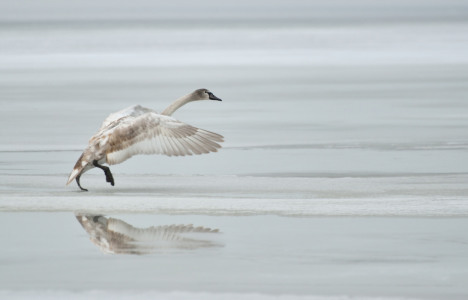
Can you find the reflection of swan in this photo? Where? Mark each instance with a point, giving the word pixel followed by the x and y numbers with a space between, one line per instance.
pixel 114 236
pixel 140 130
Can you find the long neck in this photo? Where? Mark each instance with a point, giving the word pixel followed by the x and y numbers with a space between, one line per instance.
pixel 176 105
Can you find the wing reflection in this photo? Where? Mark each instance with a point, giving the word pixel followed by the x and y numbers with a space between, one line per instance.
pixel 114 236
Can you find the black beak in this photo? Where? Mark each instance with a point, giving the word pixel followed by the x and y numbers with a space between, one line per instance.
pixel 213 97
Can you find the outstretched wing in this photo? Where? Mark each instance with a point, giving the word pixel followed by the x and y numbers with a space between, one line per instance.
pixel 132 111
pixel 152 133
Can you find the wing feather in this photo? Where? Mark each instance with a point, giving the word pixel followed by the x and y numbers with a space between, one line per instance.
pixel 194 147
pixel 169 151
pixel 200 147
pixel 167 142
pixel 182 150
pixel 208 145
pixel 132 111
pixel 151 133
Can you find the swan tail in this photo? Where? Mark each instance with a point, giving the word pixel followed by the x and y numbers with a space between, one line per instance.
pixel 81 163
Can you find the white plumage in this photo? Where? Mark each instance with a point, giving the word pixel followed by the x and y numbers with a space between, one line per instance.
pixel 139 130
pixel 152 133
pixel 132 111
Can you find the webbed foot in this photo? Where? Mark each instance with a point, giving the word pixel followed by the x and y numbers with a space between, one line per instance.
pixel 107 172
pixel 79 185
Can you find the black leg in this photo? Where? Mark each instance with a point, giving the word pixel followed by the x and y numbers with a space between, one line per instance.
pixel 109 177
pixel 78 181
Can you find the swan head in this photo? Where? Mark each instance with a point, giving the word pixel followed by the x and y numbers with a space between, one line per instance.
pixel 204 94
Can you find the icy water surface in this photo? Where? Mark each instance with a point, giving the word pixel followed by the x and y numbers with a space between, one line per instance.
pixel 343 172
pixel 251 254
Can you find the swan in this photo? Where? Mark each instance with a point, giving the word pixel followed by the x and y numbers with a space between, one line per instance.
pixel 140 130
pixel 114 236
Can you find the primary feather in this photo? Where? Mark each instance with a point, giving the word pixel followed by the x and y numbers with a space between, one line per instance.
pixel 152 133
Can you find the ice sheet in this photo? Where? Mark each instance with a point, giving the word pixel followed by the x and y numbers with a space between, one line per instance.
pixel 420 195
pixel 271 256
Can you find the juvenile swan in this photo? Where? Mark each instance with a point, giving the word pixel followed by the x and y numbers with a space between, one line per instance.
pixel 140 130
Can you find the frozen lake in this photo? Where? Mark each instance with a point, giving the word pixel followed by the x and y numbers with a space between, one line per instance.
pixel 250 255
pixel 343 173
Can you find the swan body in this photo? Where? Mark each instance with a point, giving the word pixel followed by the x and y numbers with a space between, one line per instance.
pixel 139 130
